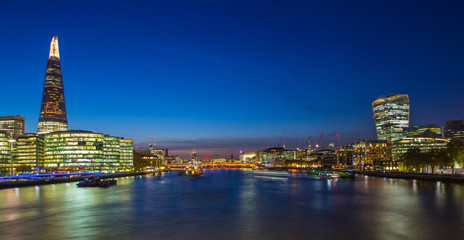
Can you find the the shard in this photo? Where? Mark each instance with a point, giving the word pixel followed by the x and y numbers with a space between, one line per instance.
pixel 53 110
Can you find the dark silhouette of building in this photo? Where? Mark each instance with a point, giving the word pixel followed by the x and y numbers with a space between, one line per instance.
pixel 454 129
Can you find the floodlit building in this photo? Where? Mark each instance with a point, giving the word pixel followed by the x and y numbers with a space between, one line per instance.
pixel 13 125
pixel 29 151
pixel 5 152
pixel 373 154
pixel 248 157
pixel 391 115
pixel 345 156
pixel 275 156
pixel 77 150
pixel 53 109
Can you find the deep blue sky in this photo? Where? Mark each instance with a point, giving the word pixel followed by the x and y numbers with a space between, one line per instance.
pixel 227 75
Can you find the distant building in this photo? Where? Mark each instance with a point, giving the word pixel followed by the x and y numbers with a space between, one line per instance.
pixel 53 109
pixel 13 125
pixel 326 158
pixel 77 150
pixel 248 157
pixel 275 156
pixel 345 156
pixel 454 129
pixel 391 116
pixel 416 130
pixel 29 151
pixel 220 160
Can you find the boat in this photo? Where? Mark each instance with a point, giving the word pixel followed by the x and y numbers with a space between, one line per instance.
pixel 97 182
pixel 328 175
pixel 270 173
pixel 193 168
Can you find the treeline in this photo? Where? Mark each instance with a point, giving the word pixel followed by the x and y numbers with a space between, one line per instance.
pixel 449 157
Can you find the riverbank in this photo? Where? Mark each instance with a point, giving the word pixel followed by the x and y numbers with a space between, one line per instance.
pixel 418 176
pixel 56 180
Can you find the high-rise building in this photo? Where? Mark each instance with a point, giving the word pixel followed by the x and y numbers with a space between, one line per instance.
pixel 53 110
pixel 13 125
pixel 391 115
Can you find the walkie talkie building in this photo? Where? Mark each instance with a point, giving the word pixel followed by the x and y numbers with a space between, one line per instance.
pixel 391 115
pixel 53 110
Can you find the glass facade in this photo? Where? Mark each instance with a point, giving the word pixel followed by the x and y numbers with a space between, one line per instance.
pixel 53 109
pixel 29 151
pixel 87 151
pixel 417 130
pixel 391 115
pixel 13 125
pixel 4 150
pixel 401 145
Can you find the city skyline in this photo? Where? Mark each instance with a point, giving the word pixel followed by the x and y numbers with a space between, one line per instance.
pixel 199 86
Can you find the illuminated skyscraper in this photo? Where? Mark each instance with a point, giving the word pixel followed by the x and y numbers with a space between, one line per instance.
pixel 391 115
pixel 53 110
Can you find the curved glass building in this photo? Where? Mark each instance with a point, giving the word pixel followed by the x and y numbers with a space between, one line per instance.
pixel 391 115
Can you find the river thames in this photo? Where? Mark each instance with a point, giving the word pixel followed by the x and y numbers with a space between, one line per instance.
pixel 232 204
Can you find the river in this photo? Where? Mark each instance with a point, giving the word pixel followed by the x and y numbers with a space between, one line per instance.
pixel 232 204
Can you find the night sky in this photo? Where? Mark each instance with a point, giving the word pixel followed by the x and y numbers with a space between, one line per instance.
pixel 221 76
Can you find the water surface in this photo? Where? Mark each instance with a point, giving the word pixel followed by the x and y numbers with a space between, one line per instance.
pixel 232 204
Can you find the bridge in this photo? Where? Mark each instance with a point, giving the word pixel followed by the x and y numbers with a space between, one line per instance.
pixel 215 165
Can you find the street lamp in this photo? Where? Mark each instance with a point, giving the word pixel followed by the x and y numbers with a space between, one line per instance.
pixel 11 141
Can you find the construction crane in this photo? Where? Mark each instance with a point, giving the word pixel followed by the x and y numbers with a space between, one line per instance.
pixel 319 141
pixel 280 143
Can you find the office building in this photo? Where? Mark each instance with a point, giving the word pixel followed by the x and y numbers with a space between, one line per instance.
pixel 12 125
pixel 29 151
pixel 454 129
pixel 391 116
pixel 433 129
pixel 5 151
pixel 373 154
pixel 77 150
pixel 400 146
pixel 53 109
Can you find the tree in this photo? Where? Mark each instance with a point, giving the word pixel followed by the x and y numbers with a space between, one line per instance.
pixel 412 158
pixel 455 151
pixel 441 158
pixel 3 171
pixel 23 168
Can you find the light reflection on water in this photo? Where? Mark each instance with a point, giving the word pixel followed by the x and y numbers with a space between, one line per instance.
pixel 234 205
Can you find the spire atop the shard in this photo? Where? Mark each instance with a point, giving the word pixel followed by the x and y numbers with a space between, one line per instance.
pixel 54 52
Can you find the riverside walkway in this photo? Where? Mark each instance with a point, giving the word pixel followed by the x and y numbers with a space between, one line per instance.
pixel 418 176
pixel 25 180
